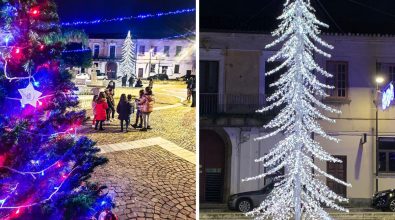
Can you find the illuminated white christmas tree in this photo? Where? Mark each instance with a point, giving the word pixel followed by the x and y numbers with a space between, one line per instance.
pixel 128 63
pixel 299 193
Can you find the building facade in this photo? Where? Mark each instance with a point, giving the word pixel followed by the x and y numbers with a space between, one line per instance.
pixel 233 85
pixel 175 57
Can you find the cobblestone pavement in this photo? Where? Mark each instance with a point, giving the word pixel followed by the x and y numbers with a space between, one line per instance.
pixel 149 183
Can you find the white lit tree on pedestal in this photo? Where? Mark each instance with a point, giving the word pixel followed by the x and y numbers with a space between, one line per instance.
pixel 299 193
pixel 128 63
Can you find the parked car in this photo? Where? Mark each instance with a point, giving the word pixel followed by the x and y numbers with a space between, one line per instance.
pixel 246 201
pixel 159 76
pixel 101 76
pixel 182 78
pixel 83 76
pixel 384 200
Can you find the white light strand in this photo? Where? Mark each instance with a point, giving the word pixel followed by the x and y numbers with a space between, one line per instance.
pixel 128 63
pixel 44 200
pixel 299 193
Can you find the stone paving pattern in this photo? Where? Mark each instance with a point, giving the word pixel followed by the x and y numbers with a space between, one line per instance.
pixel 163 143
pixel 149 183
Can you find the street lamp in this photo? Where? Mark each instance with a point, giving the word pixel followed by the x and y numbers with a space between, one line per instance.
pixel 379 80
pixel 150 58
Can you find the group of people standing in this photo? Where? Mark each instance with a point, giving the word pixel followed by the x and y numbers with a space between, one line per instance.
pixel 131 81
pixel 104 109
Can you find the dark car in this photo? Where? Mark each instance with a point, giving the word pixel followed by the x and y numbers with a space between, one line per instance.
pixel 159 77
pixel 384 200
pixel 246 201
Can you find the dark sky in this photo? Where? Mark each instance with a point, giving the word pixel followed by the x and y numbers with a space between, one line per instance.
pixel 343 16
pixel 76 10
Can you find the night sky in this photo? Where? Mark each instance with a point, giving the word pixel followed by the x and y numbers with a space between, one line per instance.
pixel 343 16
pixel 76 10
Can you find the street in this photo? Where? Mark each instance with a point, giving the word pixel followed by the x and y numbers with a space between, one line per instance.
pixel 151 175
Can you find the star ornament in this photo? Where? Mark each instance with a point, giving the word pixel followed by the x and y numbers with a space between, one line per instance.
pixel 29 96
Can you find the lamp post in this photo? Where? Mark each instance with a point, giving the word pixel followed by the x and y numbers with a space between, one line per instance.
pixel 150 64
pixel 379 80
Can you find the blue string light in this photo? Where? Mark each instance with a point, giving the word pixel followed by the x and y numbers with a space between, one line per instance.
pixel 180 36
pixel 165 38
pixel 76 51
pixel 142 16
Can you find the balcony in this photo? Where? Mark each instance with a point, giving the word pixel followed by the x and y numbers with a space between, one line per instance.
pixel 106 58
pixel 216 103
pixel 233 110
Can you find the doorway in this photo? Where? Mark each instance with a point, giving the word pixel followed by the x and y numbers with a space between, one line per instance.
pixel 338 170
pixel 212 167
pixel 111 70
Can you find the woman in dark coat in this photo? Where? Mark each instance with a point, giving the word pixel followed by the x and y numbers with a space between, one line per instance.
pixel 111 105
pixel 124 110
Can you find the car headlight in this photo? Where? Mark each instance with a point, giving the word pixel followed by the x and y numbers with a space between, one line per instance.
pixel 232 197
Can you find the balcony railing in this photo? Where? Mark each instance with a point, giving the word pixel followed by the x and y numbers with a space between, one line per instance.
pixel 216 103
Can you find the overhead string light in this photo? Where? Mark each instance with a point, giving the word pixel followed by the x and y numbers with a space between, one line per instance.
pixel 186 35
pixel 136 17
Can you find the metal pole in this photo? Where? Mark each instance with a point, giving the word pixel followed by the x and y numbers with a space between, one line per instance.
pixel 149 68
pixel 377 139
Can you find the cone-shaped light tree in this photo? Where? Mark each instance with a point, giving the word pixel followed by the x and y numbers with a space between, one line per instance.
pixel 299 193
pixel 128 63
pixel 44 162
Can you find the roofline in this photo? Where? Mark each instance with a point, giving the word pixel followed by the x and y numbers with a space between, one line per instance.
pixel 269 33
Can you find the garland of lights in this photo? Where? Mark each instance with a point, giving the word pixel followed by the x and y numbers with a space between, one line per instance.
pixel 299 193
pixel 64 178
pixel 120 19
pixel 165 38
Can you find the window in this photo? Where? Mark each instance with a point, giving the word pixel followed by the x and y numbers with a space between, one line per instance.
pixel 339 171
pixel 141 50
pixel 208 87
pixel 166 51
pixel 386 162
pixel 178 50
pixel 96 65
pixel 269 90
pixel 112 51
pixel 177 69
pixel 152 70
pixel 82 70
pixel 141 72
pixel 387 69
pixel 274 177
pixel 154 50
pixel 96 51
pixel 339 70
pixel 164 69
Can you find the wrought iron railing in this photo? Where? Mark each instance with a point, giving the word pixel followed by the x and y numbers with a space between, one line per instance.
pixel 216 103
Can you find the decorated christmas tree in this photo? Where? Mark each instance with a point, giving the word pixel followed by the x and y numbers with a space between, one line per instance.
pixel 128 63
pixel 299 194
pixel 44 163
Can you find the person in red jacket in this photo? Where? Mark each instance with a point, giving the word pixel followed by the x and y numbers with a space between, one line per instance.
pixel 147 106
pixel 101 107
